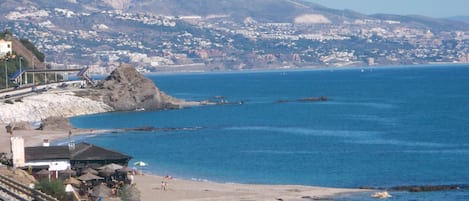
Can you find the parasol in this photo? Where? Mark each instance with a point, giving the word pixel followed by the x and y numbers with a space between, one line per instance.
pixel 88 177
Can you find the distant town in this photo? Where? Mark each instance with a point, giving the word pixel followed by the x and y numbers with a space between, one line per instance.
pixel 102 40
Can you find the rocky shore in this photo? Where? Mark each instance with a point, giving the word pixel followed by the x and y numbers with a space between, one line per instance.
pixel 123 90
pixel 127 90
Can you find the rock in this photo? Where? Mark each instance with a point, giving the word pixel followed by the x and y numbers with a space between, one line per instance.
pixel 307 99
pixel 422 188
pixel 428 188
pixel 125 89
pixel 283 101
pixel 55 123
pixel 22 125
pixel 313 99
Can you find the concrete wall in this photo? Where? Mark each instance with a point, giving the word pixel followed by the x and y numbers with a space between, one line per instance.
pixel 17 148
pixel 5 47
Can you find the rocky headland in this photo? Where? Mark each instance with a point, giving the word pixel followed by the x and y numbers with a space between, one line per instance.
pixel 125 89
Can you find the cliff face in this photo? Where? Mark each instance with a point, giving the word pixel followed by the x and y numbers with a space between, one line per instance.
pixel 126 89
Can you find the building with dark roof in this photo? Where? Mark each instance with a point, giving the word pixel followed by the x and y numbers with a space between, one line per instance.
pixel 89 155
pixel 74 156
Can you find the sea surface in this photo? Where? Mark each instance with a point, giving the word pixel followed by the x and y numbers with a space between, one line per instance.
pixel 380 127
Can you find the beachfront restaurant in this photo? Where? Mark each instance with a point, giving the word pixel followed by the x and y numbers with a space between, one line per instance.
pixel 74 156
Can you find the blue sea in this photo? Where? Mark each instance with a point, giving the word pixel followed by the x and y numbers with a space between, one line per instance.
pixel 381 127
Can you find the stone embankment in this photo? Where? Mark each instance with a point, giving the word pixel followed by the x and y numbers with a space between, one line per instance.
pixel 124 90
pixel 55 103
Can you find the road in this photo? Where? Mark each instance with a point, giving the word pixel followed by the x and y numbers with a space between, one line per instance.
pixel 28 90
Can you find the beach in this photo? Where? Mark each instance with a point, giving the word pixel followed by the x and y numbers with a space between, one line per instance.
pixel 150 186
pixel 177 189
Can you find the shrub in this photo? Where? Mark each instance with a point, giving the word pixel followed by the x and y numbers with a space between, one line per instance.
pixel 53 188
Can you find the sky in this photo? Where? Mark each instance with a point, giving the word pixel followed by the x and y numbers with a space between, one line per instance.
pixel 431 8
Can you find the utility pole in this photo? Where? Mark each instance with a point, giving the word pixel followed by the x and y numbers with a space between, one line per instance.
pixel 6 73
pixel 21 73
pixel 33 73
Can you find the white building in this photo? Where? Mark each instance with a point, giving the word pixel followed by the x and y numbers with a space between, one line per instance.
pixel 5 47
pixel 60 158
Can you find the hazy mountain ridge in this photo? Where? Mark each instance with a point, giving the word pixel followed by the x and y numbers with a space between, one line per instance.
pixel 224 34
pixel 261 10
pixel 464 19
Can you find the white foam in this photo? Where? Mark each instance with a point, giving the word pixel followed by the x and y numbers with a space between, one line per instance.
pixel 310 132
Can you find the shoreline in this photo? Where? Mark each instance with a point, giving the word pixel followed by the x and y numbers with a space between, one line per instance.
pixel 312 68
pixel 183 189
pixel 150 187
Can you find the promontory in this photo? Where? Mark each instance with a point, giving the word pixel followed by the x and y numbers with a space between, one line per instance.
pixel 125 89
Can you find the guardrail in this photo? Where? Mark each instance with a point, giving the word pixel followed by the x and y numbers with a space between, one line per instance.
pixel 27 90
pixel 22 192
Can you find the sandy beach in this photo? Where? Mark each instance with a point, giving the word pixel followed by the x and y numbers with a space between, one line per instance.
pixel 179 189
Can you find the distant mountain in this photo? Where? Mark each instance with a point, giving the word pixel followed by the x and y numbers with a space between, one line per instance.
pixel 464 19
pixel 226 34
pixel 436 24
pixel 239 10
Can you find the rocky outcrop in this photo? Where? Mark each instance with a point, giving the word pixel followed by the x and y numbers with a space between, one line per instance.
pixel 126 89
pixel 423 188
pixel 307 99
pixel 55 123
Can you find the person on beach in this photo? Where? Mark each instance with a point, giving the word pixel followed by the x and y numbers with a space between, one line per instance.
pixel 163 185
pixel 131 179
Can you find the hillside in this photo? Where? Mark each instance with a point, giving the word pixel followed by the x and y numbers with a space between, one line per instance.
pixel 24 48
pixel 211 35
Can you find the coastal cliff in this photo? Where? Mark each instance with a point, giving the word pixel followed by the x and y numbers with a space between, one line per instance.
pixel 125 89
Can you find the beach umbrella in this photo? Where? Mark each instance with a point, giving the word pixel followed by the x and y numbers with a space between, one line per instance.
pixel 89 177
pixel 125 170
pixel 68 172
pixel 140 164
pixel 72 181
pixel 102 191
pixel 89 170
pixel 112 166
pixel 106 172
pixel 43 173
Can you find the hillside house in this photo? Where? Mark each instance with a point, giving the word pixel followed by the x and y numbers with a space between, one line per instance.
pixel 5 47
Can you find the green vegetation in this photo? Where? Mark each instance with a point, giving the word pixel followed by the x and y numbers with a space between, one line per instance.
pixel 54 188
pixel 12 65
pixel 5 33
pixel 30 46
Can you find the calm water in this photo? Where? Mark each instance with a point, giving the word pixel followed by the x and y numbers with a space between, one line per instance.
pixel 381 128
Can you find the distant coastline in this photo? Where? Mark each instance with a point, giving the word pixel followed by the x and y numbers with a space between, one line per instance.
pixel 306 68
pixel 65 104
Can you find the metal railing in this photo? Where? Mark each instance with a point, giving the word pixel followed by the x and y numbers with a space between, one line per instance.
pixel 21 191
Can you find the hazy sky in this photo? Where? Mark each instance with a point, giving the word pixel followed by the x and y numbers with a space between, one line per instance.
pixel 432 8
